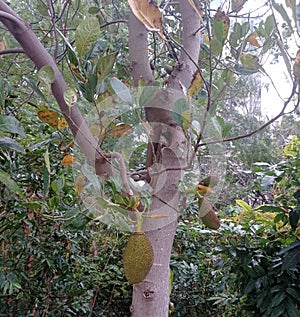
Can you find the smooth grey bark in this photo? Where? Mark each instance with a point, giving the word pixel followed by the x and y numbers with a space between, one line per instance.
pixel 166 159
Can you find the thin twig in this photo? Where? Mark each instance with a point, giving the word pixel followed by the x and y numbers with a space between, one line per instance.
pixel 262 127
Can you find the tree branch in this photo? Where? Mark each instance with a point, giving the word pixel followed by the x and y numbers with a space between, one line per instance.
pixel 183 72
pixel 12 51
pixel 138 50
pixel 40 57
pixel 262 127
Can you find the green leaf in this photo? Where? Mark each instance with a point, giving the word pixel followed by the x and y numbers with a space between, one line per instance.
pixel 46 74
pixel 11 125
pixel 293 293
pixel 216 46
pixel 105 65
pixel 9 143
pixel 292 311
pixel 90 87
pixel 180 107
pixel 35 88
pixel 10 183
pixel 279 8
pixel 269 25
pixel 146 94
pixel 270 208
pixel 294 218
pixel 244 205
pixel 87 33
pixel 121 90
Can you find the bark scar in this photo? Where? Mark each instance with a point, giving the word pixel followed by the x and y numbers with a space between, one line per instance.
pixel 148 294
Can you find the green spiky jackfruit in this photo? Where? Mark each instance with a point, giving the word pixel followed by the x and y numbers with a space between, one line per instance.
pixel 138 257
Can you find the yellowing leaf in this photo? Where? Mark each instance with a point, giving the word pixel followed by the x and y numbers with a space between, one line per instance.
pixel 49 116
pixel 149 14
pixel 98 131
pixel 67 160
pixel 62 123
pixel 250 61
pixel 120 129
pixel 252 39
pixel 196 84
pixel 203 190
pixel 105 101
pixel 79 183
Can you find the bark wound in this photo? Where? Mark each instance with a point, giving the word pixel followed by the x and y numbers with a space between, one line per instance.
pixel 148 294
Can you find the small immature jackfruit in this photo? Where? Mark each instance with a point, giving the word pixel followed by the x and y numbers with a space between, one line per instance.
pixel 207 214
pixel 138 257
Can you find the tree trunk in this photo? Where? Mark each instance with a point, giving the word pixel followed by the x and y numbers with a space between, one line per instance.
pixel 166 159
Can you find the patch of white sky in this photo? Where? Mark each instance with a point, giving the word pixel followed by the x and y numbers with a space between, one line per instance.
pixel 278 87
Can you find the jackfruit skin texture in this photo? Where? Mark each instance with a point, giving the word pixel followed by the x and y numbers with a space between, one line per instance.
pixel 138 258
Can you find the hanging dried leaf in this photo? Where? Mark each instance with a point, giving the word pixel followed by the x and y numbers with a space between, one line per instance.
pixel 62 123
pixel 120 129
pixel 49 116
pixel 149 14
pixel 79 183
pixel 67 160
pixel 252 39
pixel 196 84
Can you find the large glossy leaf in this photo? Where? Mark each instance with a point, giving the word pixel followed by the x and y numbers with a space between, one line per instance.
pixel 9 143
pixel 87 33
pixel 46 74
pixel 121 90
pixel 11 125
pixel 10 183
pixel 105 65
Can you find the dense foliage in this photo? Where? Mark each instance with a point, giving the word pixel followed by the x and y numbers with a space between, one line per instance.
pixel 57 258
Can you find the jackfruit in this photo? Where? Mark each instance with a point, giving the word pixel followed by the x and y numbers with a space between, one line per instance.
pixel 138 257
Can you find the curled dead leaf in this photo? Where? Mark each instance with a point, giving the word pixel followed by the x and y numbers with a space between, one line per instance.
pixel 149 14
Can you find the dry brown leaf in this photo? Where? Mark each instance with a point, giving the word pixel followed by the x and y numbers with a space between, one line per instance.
pixel 149 14
pixel 49 116
pixel 62 123
pixel 67 160
pixel 196 84
pixel 252 39
pixel 79 183
pixel 120 129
